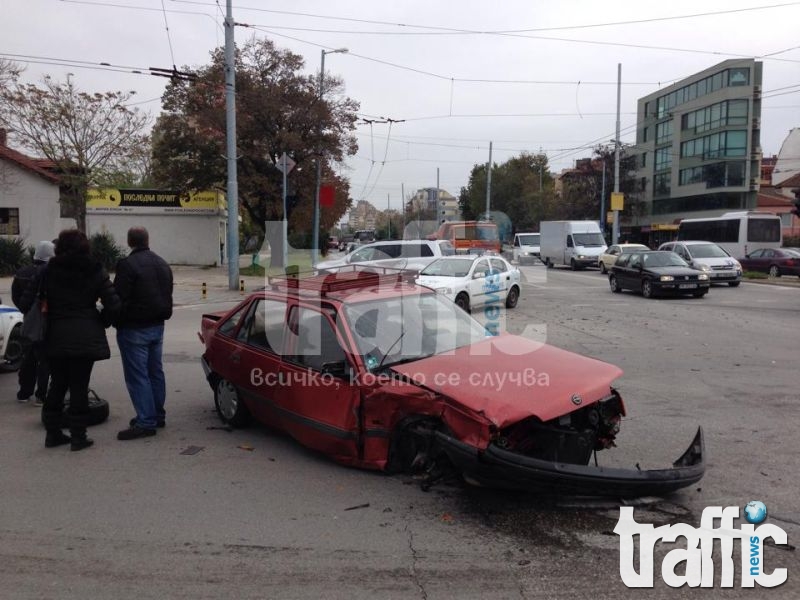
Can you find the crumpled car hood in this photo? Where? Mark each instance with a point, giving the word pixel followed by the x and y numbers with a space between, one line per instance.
pixel 509 378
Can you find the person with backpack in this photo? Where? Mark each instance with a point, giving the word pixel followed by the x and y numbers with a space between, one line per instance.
pixel 34 374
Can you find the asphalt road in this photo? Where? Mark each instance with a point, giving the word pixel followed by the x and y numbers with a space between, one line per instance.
pixel 201 512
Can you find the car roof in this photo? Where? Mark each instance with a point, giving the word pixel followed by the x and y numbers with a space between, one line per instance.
pixel 693 242
pixel 346 286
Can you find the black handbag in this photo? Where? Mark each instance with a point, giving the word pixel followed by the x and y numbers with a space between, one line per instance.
pixel 34 323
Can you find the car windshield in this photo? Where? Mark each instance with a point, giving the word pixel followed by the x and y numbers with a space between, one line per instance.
pixel 707 251
pixel 588 239
pixel 663 259
pixel 407 328
pixel 453 267
pixel 529 240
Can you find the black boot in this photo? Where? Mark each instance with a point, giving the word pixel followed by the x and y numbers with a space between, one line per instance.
pixel 77 429
pixel 56 437
pixel 79 442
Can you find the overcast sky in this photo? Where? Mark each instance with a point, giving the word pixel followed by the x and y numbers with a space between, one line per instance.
pixel 410 60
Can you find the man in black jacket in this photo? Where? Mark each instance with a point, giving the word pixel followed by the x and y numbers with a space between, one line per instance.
pixel 144 283
pixel 33 372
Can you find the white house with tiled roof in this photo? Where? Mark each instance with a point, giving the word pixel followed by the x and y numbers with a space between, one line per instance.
pixel 29 194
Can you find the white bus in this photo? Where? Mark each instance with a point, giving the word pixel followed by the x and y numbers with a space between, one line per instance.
pixel 738 232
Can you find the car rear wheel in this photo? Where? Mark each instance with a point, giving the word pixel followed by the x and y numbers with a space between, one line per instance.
pixel 734 283
pixel 548 263
pixel 513 297
pixel 647 289
pixel 573 265
pixel 774 271
pixel 229 405
pixel 462 301
pixel 15 350
pixel 612 281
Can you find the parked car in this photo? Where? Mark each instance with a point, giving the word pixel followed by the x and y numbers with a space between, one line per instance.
pixel 344 243
pixel 775 261
pixel 413 255
pixel 657 273
pixel 333 243
pixel 525 247
pixel 12 344
pixel 472 281
pixel 412 383
pixel 710 258
pixel 610 256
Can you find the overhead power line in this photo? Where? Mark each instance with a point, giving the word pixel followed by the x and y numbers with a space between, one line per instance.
pixel 439 30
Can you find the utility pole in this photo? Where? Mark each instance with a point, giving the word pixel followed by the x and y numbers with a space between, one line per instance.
pixel 437 196
pixel 615 231
pixel 315 218
pixel 603 200
pixel 489 182
pixel 388 218
pixel 230 140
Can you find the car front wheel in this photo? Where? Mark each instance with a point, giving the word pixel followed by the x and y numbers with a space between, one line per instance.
pixel 612 281
pixel 462 301
pixel 774 271
pixel 734 283
pixel 647 289
pixel 513 297
pixel 229 405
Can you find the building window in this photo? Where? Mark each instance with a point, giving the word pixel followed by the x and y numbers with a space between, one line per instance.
pixel 643 160
pixel 786 219
pixel 9 221
pixel 663 158
pixel 644 134
pixel 664 132
pixel 738 77
pixel 661 184
pixel 717 145
pixel 721 174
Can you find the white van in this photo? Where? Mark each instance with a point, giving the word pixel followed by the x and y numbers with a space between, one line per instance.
pixel 575 244
pixel 525 247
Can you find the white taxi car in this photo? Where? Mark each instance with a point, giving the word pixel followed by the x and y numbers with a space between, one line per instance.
pixel 472 281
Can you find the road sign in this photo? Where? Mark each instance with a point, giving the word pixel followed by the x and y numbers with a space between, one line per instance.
pixel 617 201
pixel 285 164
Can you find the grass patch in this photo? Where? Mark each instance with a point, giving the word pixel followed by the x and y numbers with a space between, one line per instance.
pixel 252 271
pixel 754 275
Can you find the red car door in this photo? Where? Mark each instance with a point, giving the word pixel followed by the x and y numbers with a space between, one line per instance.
pixel 318 403
pixel 257 357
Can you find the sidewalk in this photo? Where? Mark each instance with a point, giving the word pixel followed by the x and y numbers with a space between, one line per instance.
pixel 189 282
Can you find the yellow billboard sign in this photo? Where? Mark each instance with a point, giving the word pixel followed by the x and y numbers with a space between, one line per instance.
pixel 146 201
pixel 617 201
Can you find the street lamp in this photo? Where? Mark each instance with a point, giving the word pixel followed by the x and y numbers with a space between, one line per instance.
pixel 315 220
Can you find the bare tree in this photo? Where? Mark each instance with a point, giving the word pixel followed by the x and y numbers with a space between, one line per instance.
pixel 89 137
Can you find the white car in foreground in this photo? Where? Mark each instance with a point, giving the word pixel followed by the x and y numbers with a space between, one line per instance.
pixel 472 281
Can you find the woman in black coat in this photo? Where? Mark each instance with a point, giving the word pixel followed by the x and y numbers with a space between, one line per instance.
pixel 76 338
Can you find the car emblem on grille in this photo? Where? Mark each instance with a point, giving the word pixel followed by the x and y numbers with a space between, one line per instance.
pixel 576 399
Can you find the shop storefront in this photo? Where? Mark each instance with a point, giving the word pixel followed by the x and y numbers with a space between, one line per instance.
pixel 185 229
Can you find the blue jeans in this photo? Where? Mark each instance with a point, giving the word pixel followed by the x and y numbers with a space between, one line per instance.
pixel 140 350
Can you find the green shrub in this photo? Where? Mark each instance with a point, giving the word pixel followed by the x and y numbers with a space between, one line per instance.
pixel 105 250
pixel 791 241
pixel 13 255
pixel 754 275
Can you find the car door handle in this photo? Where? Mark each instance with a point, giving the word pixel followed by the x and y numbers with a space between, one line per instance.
pixel 236 358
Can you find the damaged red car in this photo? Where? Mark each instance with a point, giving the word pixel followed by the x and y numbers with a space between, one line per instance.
pixel 379 373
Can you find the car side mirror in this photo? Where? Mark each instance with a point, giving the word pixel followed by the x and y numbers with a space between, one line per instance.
pixel 338 368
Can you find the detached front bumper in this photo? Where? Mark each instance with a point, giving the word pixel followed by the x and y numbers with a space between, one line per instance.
pixel 500 468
